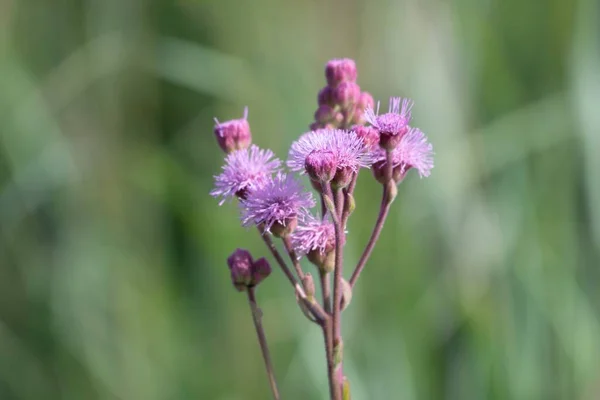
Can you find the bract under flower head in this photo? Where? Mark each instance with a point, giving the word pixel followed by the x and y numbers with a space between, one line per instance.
pixel 244 170
pixel 395 121
pixel 349 150
pixel 413 151
pixel 281 200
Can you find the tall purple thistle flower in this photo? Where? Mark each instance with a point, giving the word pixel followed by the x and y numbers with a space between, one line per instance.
pixel 393 124
pixel 279 203
pixel 349 150
pixel 244 170
pixel 413 151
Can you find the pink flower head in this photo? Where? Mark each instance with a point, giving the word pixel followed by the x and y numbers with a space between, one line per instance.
pixel 280 201
pixel 314 235
pixel 244 170
pixel 340 70
pixel 413 151
pixel 349 150
pixel 234 134
pixel 393 124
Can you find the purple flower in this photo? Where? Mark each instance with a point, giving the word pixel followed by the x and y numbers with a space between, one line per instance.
pixel 234 134
pixel 277 204
pixel 348 149
pixel 244 170
pixel 393 124
pixel 413 151
pixel 314 235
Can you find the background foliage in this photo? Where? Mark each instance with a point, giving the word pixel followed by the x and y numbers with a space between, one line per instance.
pixel 113 283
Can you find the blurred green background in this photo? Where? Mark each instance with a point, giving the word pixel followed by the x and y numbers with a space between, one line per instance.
pixel 113 281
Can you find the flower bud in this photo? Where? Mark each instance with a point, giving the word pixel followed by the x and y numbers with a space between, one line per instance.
pixel 309 285
pixel 240 264
pixel 233 135
pixel 342 178
pixel 368 134
pixel 324 114
pixel 283 229
pixel 321 165
pixel 340 70
pixel 325 96
pixel 346 94
pixel 365 101
pixel 260 270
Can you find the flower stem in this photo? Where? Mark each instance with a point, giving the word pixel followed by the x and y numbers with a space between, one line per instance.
pixel 314 307
pixel 293 257
pixel 337 287
pixel 383 213
pixel 388 195
pixel 262 340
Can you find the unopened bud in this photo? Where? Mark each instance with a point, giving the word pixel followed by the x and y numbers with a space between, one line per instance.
pixel 346 294
pixel 309 286
pixel 398 172
pixel 338 351
pixel 346 94
pixel 365 101
pixel 260 270
pixel 240 264
pixel 350 204
pixel 234 134
pixel 342 178
pixel 368 134
pixel 340 70
pixel 325 96
pixel 284 228
pixel 321 165
pixel 325 114
pixel 346 389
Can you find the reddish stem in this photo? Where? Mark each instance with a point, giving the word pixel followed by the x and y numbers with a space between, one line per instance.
pixel 262 340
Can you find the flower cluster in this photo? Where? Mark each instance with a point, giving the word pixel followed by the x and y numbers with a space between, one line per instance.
pixel 341 102
pixel 347 135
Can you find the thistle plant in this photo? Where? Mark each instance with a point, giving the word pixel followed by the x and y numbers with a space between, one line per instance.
pixel 348 134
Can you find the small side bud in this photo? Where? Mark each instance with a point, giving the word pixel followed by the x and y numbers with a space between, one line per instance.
pixel 346 294
pixel 329 204
pixel 260 270
pixel 338 352
pixel 321 165
pixel 346 94
pixel 240 265
pixel 391 191
pixel 234 134
pixel 350 204
pixel 346 389
pixel 285 228
pixel 309 286
pixel 340 70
